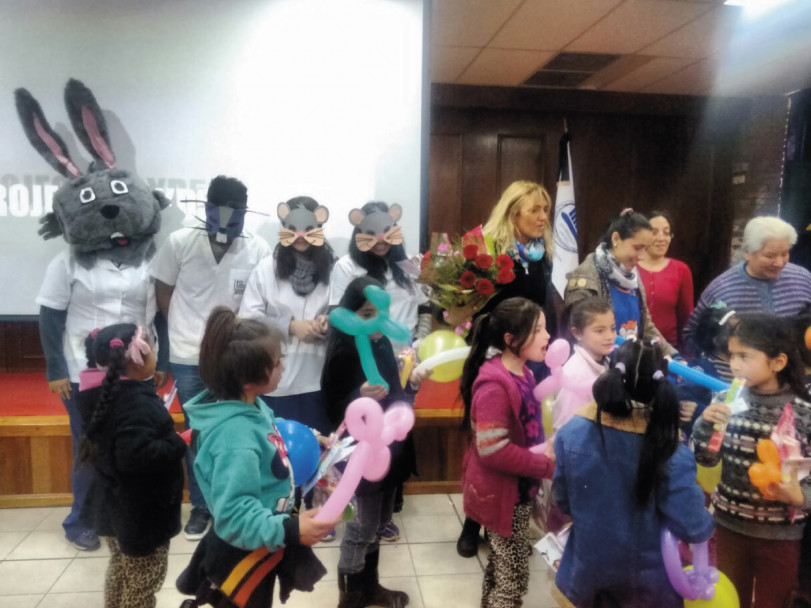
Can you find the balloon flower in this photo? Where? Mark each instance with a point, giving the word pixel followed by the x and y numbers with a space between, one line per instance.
pixel 701 584
pixel 375 431
pixel 351 324
pixel 767 471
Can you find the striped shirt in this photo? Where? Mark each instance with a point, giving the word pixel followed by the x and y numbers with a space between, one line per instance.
pixel 785 296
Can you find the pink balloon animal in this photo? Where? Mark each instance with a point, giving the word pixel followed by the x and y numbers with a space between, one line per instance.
pixel 374 431
pixel 556 356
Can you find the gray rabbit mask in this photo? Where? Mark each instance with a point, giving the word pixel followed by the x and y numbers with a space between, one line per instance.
pixel 108 212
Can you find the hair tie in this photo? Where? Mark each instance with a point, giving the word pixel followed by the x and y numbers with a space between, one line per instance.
pixel 95 333
pixel 726 318
pixel 620 366
pixel 626 211
pixel 654 341
pixel 116 343
pixel 658 375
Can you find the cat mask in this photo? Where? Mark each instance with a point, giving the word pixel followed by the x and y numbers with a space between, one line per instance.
pixel 298 221
pixel 377 226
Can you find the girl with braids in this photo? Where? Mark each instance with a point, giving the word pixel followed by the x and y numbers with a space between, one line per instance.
pixel 506 459
pixel 130 439
pixel 621 475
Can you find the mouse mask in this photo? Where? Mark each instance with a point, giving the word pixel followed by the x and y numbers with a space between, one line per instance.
pixel 106 212
pixel 226 205
pixel 377 226
pixel 299 222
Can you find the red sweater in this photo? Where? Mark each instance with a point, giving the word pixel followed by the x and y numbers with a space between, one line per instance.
pixel 496 457
pixel 670 298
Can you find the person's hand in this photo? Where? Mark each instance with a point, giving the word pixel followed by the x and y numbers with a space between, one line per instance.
pixel 311 531
pixel 550 449
pixel 161 378
pixel 321 324
pixel 459 314
pixel 418 376
pixel 686 410
pixel 789 492
pixel 305 331
pixel 373 391
pixel 61 387
pixel 717 413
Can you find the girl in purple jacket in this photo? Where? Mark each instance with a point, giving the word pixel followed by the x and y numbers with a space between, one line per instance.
pixel 502 468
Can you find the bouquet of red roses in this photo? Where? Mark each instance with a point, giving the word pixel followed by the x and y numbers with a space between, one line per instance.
pixel 464 273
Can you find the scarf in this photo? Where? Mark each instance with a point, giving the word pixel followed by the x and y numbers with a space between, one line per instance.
pixel 531 252
pixel 613 271
pixel 303 278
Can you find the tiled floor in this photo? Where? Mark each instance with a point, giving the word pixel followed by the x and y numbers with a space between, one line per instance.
pixel 38 568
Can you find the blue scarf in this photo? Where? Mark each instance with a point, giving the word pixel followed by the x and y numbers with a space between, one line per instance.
pixel 531 252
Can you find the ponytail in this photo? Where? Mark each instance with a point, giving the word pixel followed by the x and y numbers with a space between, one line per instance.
pixel 660 441
pixel 479 344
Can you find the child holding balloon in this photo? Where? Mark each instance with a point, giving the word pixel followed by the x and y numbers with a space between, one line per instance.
pixel 244 474
pixel 759 531
pixel 594 331
pixel 621 475
pixel 343 380
pixel 501 472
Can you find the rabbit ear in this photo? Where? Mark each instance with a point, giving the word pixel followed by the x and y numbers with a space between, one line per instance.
pixel 88 122
pixel 44 139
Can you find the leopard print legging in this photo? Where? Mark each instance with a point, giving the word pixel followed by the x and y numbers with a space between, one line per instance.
pixel 132 582
pixel 506 578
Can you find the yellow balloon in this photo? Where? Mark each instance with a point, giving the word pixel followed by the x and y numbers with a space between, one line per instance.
pixel 438 342
pixel 709 477
pixel 725 596
pixel 546 416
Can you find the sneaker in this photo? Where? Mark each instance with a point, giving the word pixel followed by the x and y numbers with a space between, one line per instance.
pixel 86 541
pixel 390 532
pixel 329 536
pixel 198 523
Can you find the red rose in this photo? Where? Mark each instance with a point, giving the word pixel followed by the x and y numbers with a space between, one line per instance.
pixel 505 275
pixel 504 261
pixel 467 279
pixel 426 259
pixel 470 251
pixel 484 261
pixel 485 287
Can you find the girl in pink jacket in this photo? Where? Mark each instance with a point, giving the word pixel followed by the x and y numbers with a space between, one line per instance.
pixel 501 472
pixel 594 330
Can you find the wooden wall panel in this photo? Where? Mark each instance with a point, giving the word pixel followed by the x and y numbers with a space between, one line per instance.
pixel 445 184
pixel 20 349
pixel 520 158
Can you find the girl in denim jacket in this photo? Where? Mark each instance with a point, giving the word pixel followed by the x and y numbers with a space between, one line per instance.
pixel 622 475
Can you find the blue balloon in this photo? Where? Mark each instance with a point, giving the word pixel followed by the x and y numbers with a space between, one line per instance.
pixel 302 449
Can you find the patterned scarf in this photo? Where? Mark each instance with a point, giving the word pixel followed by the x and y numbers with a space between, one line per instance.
pixel 303 278
pixel 612 271
pixel 531 252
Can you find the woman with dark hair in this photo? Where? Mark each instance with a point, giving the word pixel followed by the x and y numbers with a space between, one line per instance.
pixel 610 273
pixel 289 291
pixel 668 282
pixel 375 249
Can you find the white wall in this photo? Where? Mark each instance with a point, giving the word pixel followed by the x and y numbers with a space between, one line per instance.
pixel 315 97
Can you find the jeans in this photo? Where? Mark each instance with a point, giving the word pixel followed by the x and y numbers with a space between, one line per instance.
pixel 189 385
pixel 81 474
pixel 372 511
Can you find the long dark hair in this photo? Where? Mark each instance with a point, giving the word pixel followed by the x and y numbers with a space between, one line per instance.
pixel 100 353
pixel 710 337
pixel 627 224
pixel 516 316
pixel 638 374
pixel 772 335
pixel 376 265
pixel 353 299
pixel 235 352
pixel 322 256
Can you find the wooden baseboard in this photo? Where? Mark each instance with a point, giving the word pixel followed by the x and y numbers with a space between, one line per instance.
pixel 432 487
pixel 18 501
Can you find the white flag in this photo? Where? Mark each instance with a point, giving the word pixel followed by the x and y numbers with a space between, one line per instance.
pixel 565 227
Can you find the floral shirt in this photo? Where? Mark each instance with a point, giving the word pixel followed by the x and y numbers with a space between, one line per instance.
pixel 530 417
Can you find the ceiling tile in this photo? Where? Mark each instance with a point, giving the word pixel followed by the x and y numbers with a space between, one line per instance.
pixel 548 25
pixel 448 62
pixel 695 79
pixel 636 24
pixel 504 68
pixel 469 22
pixel 655 69
pixel 707 35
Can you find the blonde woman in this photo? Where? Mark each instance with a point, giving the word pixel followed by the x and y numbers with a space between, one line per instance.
pixel 520 226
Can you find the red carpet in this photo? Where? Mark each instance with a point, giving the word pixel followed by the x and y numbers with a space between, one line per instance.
pixel 27 394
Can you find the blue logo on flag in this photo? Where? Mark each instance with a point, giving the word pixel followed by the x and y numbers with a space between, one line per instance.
pixel 566 226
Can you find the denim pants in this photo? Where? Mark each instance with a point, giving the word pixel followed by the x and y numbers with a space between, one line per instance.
pixel 81 474
pixel 372 511
pixel 189 385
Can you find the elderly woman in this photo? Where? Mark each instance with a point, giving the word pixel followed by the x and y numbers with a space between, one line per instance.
pixel 766 281
pixel 668 282
pixel 610 273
